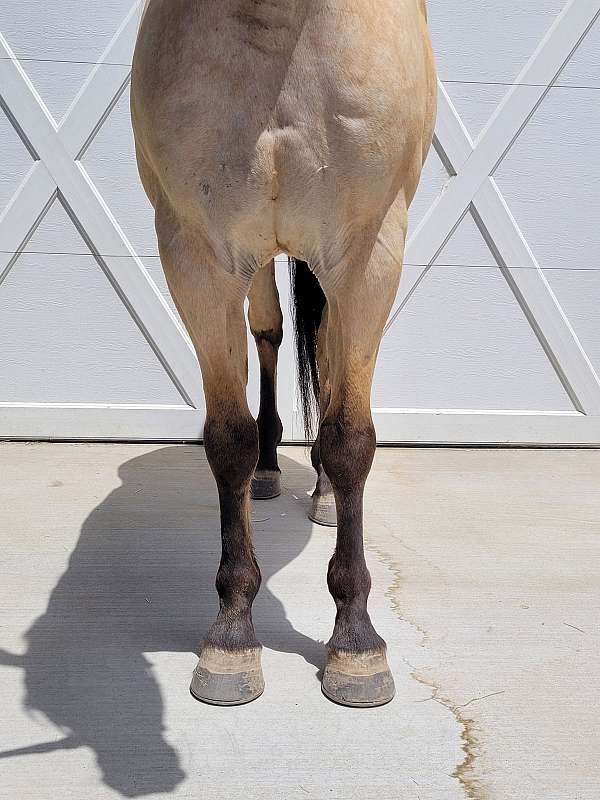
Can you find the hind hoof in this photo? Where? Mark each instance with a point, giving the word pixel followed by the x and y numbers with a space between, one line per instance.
pixel 358 681
pixel 266 484
pixel 323 510
pixel 224 678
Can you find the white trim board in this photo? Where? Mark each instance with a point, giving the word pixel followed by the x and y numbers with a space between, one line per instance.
pixel 467 426
pixel 105 422
pixel 99 422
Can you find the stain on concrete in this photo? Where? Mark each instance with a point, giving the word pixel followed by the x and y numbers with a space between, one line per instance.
pixel 465 771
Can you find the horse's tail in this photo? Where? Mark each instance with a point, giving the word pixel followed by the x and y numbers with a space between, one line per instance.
pixel 308 302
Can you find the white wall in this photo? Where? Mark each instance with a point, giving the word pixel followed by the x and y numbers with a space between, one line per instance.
pixel 461 362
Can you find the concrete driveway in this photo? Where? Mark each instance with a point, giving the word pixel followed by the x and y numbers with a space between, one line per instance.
pixel 486 585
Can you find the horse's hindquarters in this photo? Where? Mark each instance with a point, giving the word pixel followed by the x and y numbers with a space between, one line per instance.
pixel 289 142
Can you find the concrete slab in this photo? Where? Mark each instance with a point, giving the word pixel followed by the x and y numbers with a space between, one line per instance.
pixel 486 584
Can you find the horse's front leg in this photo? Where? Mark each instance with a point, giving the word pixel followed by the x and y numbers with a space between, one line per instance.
pixel 266 324
pixel 359 294
pixel 211 303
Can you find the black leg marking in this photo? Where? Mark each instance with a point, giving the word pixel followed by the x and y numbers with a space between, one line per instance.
pixel 356 673
pixel 229 671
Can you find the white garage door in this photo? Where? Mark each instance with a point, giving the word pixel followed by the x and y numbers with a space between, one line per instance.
pixel 494 337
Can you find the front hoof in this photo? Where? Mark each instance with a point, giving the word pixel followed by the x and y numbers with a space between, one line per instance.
pixel 266 484
pixel 323 510
pixel 359 680
pixel 227 678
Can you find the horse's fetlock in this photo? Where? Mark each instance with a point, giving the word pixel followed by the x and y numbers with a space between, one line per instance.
pixel 349 582
pixel 238 581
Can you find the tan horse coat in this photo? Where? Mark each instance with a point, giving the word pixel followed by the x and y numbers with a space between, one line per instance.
pixel 294 126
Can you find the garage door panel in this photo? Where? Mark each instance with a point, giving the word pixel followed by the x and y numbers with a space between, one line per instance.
pixel 57 83
pixel 64 30
pixel 579 296
pixel 67 337
pixel 475 102
pixel 584 68
pixel 114 171
pixel 462 342
pixel 552 171
pixel 466 248
pixel 551 180
pixel 488 40
pixel 15 163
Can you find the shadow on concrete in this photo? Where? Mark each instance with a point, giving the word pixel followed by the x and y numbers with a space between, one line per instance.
pixel 141 579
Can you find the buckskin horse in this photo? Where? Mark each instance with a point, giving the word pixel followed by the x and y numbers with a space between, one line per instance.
pixel 299 127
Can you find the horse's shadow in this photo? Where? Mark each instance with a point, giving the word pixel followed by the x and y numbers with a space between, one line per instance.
pixel 141 579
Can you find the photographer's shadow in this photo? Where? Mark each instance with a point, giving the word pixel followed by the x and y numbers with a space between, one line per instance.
pixel 141 579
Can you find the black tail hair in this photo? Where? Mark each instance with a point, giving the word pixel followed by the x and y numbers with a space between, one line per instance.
pixel 308 302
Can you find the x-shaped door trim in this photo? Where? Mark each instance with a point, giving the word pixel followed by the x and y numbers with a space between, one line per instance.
pixel 471 188
pixel 57 171
pixel 57 150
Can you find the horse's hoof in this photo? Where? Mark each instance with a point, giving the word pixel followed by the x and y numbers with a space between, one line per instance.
pixel 266 484
pixel 227 678
pixel 323 510
pixel 358 680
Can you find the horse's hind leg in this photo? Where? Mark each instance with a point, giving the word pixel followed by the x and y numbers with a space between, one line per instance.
pixel 323 501
pixel 211 303
pixel 266 324
pixel 360 293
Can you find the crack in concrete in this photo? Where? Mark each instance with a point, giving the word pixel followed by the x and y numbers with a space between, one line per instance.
pixel 465 771
pixel 478 699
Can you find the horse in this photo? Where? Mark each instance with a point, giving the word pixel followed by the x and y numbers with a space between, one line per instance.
pixel 298 128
